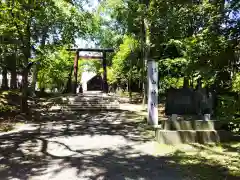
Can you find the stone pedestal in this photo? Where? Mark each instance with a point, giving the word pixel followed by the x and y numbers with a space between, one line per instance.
pixel 191 125
pixel 206 117
pixel 174 117
pixel 194 131
pixel 192 136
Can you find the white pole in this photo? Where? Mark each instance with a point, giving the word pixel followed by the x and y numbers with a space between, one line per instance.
pixel 153 93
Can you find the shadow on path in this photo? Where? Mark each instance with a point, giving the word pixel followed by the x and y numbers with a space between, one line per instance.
pixel 39 154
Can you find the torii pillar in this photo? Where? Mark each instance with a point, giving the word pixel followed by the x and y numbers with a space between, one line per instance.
pixel 75 84
pixel 104 65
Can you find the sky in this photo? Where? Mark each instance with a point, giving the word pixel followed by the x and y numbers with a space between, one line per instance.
pixel 91 6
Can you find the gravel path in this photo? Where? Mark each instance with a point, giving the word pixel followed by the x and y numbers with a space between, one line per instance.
pixel 71 146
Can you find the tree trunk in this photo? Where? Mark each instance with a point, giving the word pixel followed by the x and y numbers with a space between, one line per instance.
pixel 24 103
pixel 143 64
pixel 147 51
pixel 13 84
pixel 145 33
pixel 4 78
pixel 69 82
pixel 13 79
pixel 34 79
pixel 25 37
pixel 35 67
pixel 130 80
pixel 186 82
pixel 130 89
pixel 27 54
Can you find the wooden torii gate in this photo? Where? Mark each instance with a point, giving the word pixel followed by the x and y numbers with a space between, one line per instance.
pixel 104 64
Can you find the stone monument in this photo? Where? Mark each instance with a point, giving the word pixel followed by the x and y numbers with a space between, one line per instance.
pixel 200 128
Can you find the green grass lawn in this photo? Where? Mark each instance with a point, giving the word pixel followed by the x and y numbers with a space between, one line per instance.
pixel 195 161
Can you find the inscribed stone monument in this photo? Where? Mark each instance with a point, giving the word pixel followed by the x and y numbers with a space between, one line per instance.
pixel 187 101
pixel 153 93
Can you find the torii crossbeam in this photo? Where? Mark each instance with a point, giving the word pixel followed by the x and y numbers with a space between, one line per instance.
pixel 104 64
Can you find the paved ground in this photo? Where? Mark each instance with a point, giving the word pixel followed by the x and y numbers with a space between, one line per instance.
pixel 100 145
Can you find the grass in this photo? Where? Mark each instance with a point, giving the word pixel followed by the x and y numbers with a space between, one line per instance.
pixel 147 131
pixel 6 126
pixel 216 161
pixel 8 104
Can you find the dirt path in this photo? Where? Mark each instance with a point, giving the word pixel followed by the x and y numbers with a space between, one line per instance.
pixel 100 145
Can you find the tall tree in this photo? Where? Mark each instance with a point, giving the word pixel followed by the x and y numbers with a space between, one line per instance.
pixel 35 24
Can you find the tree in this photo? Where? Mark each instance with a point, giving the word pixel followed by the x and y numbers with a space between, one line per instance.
pixel 35 24
pixel 53 73
pixel 190 39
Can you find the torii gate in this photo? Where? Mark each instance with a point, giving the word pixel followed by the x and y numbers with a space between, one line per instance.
pixel 104 64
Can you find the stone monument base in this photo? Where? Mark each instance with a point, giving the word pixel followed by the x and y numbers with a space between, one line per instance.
pixel 194 131
pixel 192 136
pixel 191 125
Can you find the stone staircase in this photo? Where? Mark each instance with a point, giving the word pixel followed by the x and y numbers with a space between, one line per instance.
pixel 86 101
pixel 191 131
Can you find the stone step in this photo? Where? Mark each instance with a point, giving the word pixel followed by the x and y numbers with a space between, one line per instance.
pixel 191 136
pixel 91 106
pixel 191 125
pixel 93 98
pixel 88 101
pixel 86 98
pixel 80 103
pixel 81 108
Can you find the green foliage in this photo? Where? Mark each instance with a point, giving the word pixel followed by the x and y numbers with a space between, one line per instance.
pixel 236 83
pixel 6 108
pixel 126 61
pixel 111 78
pixel 90 65
pixel 228 107
pixel 56 66
pixel 53 73
pixel 6 127
pixel 45 24
pixel 190 39
pixel 229 112
pixel 173 67
pixel 234 126
pixel 169 82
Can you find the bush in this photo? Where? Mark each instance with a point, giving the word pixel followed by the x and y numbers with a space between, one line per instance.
pixel 4 127
pixel 229 111
pixel 6 108
pixel 228 107
pixel 234 126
